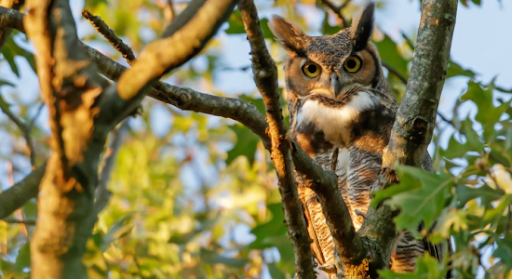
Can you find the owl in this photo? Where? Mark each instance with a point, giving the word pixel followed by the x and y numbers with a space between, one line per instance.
pixel 341 114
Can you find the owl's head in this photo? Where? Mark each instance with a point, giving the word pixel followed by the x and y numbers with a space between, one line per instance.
pixel 333 67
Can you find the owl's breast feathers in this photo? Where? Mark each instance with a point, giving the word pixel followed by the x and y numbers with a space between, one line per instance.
pixel 321 122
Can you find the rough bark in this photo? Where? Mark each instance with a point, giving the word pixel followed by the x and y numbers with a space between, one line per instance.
pixel 265 77
pixel 6 31
pixel 415 121
pixel 349 245
pixel 71 87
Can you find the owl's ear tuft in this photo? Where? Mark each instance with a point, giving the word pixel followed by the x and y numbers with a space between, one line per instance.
pixel 362 27
pixel 289 34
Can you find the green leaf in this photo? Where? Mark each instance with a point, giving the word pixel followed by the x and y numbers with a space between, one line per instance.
pixel 9 57
pixel 211 257
pixel 275 272
pixel 23 259
pixel 11 50
pixel 455 69
pixel 327 29
pixel 390 54
pixel 119 229
pixel 236 25
pixel 257 102
pixel 473 141
pixel 493 215
pixel 485 193
pixel 246 144
pixel 504 252
pixel 94 3
pixel 420 195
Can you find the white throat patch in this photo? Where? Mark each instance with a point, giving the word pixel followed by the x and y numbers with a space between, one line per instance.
pixel 335 121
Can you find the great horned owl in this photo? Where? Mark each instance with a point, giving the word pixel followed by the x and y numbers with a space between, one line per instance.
pixel 340 105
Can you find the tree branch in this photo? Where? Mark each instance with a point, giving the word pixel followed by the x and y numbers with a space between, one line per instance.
pixel 169 11
pixel 349 245
pixel 69 85
pixel 110 35
pixel 414 123
pixel 21 192
pixel 337 10
pixel 6 31
pixel 247 114
pixel 26 130
pixel 265 77
pixel 21 222
pixel 416 115
pixel 186 36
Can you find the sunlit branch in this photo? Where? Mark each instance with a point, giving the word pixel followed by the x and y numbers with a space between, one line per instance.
pixel 265 77
pixel 110 35
pixel 183 38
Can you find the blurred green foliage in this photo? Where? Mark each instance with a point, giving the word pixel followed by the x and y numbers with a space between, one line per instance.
pixel 195 196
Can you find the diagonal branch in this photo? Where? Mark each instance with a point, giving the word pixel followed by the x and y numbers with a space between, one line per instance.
pixel 111 37
pixel 265 76
pixel 6 31
pixel 25 129
pixel 247 114
pixel 337 10
pixel 186 36
pixel 21 192
pixel 349 245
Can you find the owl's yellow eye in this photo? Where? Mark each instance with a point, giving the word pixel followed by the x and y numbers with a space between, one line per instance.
pixel 352 64
pixel 311 69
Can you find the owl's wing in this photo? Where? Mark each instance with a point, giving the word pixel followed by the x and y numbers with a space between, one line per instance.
pixel 323 245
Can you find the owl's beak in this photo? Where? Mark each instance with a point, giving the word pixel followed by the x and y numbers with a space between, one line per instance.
pixel 335 84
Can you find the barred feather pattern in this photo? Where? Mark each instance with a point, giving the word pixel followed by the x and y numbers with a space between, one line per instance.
pixel 336 105
pixel 357 168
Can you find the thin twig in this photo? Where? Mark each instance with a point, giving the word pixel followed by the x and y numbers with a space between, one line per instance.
pixel 23 127
pixel 24 223
pixel 191 31
pixel 338 10
pixel 19 211
pixel 391 70
pixel 169 12
pixel 110 35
